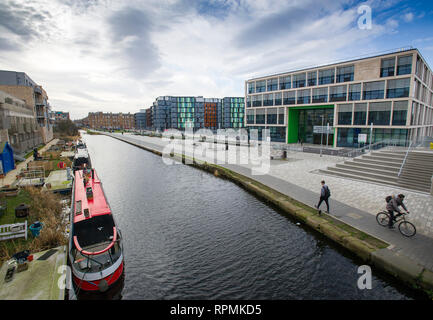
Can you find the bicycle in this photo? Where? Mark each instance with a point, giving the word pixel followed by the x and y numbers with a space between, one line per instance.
pixel 405 227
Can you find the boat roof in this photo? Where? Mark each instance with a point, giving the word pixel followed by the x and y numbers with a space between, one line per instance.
pixel 81 153
pixel 96 206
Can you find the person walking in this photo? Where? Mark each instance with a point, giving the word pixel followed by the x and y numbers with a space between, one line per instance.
pixel 325 193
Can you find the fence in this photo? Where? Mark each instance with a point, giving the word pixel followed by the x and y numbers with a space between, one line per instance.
pixel 12 231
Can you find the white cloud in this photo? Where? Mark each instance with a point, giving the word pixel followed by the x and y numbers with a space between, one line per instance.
pixel 120 55
pixel 408 17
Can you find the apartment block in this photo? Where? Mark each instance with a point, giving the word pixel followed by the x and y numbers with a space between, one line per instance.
pixel 111 121
pixel 140 120
pixel 18 125
pixel 390 93
pixel 170 112
pixel 60 116
pixel 20 85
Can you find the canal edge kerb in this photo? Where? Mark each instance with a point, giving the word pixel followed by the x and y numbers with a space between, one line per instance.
pixel 397 265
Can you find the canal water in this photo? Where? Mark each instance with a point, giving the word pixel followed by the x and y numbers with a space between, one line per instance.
pixel 190 235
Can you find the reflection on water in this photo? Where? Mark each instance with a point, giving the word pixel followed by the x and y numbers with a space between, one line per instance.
pixel 190 235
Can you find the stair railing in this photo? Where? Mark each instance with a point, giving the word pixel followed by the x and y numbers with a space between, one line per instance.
pixel 405 157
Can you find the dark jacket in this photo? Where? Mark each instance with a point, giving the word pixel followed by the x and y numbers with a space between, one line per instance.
pixel 323 192
pixel 394 203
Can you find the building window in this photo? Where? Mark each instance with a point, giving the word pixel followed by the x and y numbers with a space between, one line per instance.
pixel 272 84
pixel 337 93
pixel 257 100
pixel 260 116
pixel 268 99
pixel 373 90
pixel 398 88
pixel 379 113
pixel 261 86
pixel 326 76
pixel 285 82
pixel 250 116
pixel 299 80
pixel 249 102
pixel 387 67
pixel 345 113
pixel 360 114
pixel 320 95
pixel 404 65
pixel 312 78
pixel 281 116
pixel 251 87
pixel 345 74
pixel 289 97
pixel 355 92
pixel 304 96
pixel 271 116
pixel 399 114
pixel 278 99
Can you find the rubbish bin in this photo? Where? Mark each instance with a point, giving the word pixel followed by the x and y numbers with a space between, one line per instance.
pixel 22 210
pixel 35 228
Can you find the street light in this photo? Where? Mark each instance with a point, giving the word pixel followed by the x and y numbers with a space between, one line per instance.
pixel 321 135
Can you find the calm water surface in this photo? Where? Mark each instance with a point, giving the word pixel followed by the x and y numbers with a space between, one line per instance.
pixel 190 235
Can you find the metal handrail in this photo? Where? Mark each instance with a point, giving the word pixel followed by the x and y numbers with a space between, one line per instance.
pixel 404 160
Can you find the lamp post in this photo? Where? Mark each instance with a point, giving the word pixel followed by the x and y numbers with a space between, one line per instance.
pixel 321 136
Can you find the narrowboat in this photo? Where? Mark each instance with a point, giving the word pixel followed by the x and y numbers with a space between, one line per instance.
pixel 81 160
pixel 95 244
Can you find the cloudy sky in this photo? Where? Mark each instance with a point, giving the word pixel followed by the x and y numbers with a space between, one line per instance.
pixel 118 56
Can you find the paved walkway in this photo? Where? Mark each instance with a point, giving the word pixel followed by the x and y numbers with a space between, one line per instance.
pixel 11 175
pixel 295 179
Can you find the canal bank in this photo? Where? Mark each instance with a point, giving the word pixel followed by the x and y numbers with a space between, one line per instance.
pixel 369 248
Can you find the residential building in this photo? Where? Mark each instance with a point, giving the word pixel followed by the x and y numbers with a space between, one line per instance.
pixel 111 121
pixel 176 112
pixel 391 93
pixel 140 120
pixel 20 85
pixel 18 125
pixel 60 116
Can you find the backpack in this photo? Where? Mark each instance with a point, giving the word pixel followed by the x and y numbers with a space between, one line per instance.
pixel 388 199
pixel 327 192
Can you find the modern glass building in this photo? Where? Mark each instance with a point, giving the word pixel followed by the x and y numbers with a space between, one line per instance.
pixel 392 93
pixel 170 112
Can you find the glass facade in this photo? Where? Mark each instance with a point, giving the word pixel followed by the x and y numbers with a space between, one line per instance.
pixel 285 82
pixel 289 97
pixel 398 88
pixel 345 74
pixel 312 78
pixel 399 113
pixel 278 99
pixel 308 118
pixel 268 99
pixel 304 96
pixel 271 116
pixel 320 95
pixel 354 92
pixel 348 137
pixel 337 93
pixel 272 84
pixel 360 114
pixel 260 86
pixel 326 76
pixel 281 116
pixel 257 100
pixel 387 67
pixel 345 114
pixel 373 90
pixel 260 116
pixel 404 65
pixel 379 113
pixel 299 80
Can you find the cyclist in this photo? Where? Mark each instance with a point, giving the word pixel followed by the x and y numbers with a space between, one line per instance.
pixel 392 206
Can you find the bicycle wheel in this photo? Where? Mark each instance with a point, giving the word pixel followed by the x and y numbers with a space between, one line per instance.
pixel 407 229
pixel 382 218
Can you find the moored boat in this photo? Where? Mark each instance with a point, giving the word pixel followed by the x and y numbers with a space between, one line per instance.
pixel 95 244
pixel 81 160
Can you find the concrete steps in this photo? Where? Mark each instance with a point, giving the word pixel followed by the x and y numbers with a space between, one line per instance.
pixel 417 171
pixel 383 167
